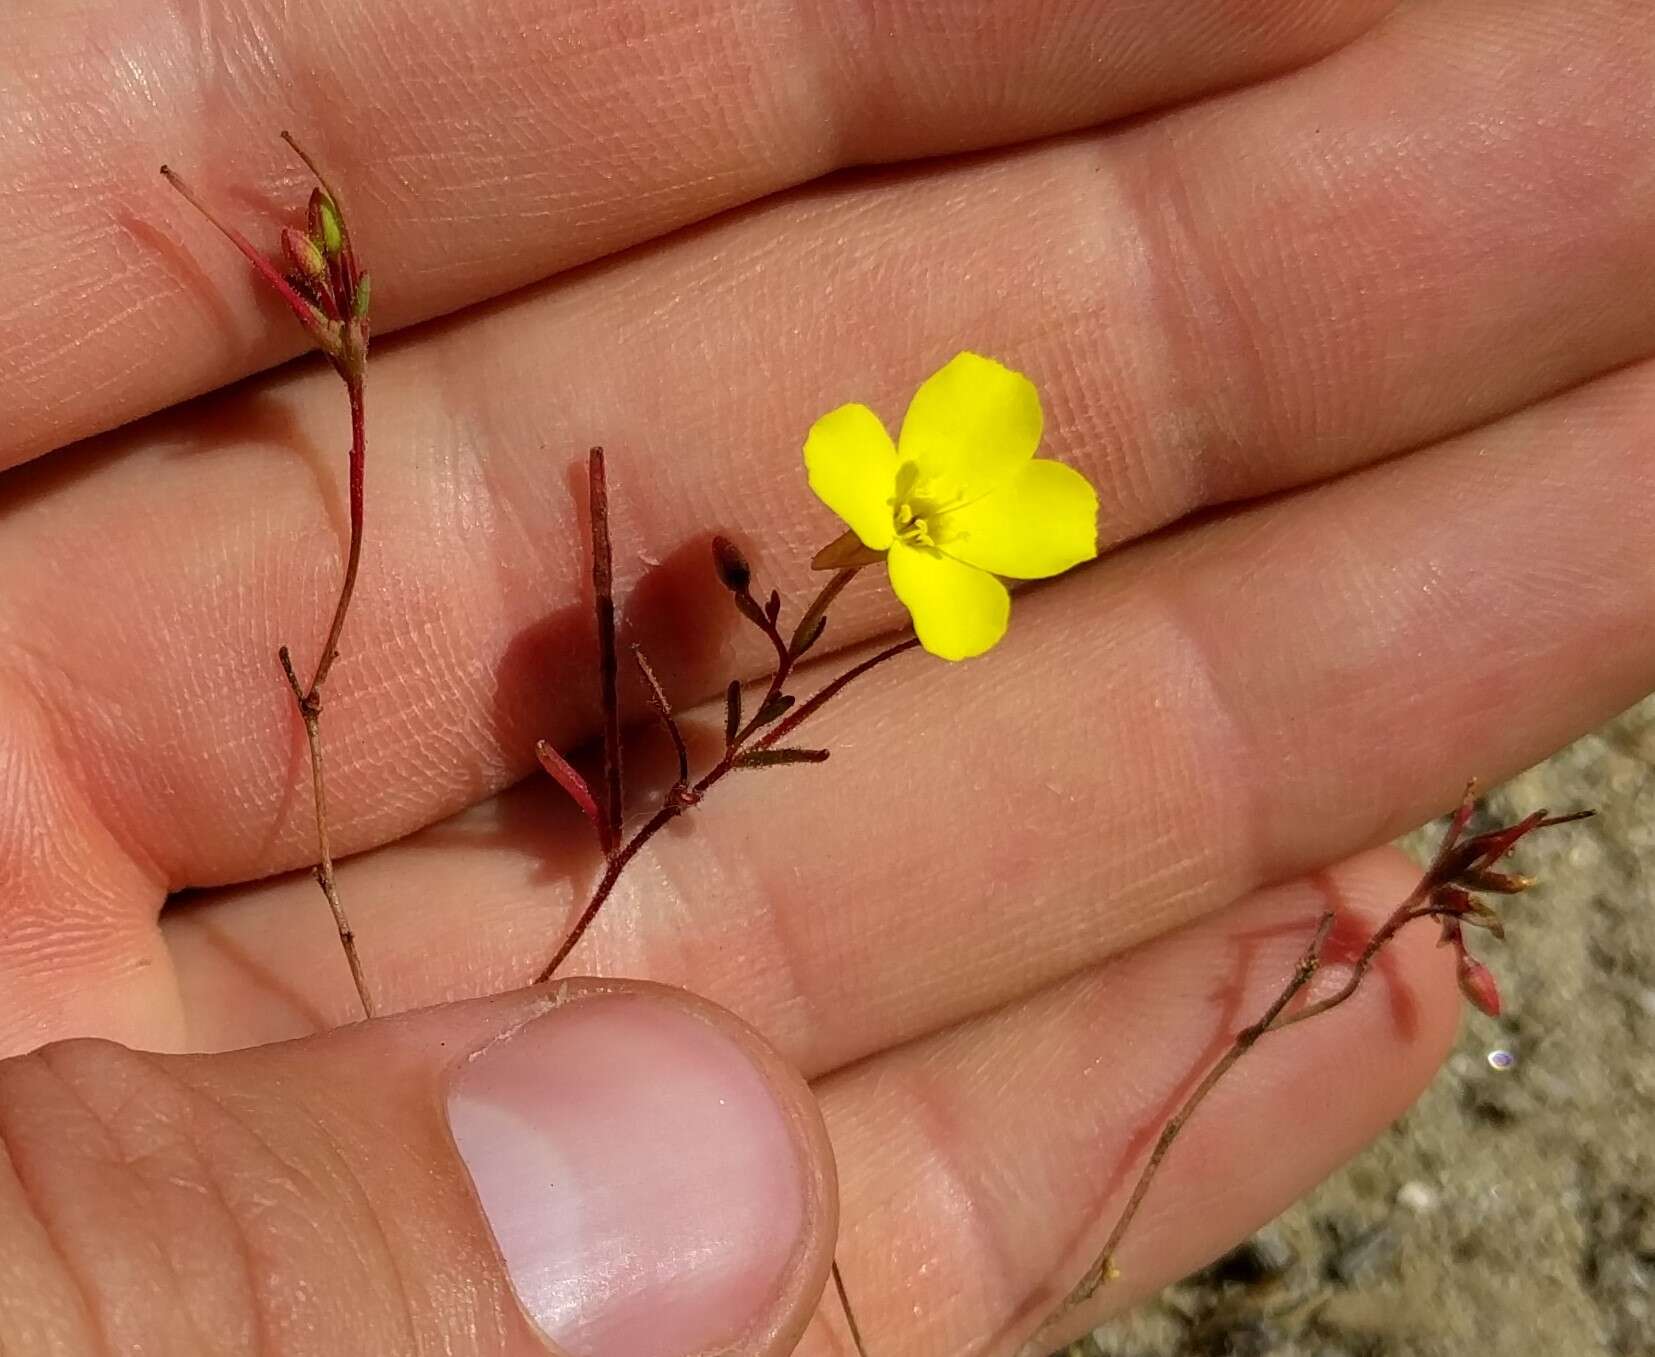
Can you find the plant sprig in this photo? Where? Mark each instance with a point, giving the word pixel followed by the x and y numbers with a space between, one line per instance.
pixel 754 743
pixel 328 292
pixel 1444 892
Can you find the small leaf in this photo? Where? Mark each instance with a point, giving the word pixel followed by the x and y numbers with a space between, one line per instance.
pixel 773 607
pixel 809 630
pixel 663 709
pixel 775 758
pixel 732 711
pixel 773 710
pixel 802 643
pixel 748 607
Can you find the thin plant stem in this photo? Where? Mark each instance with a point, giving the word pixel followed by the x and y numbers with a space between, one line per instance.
pixel 309 699
pixel 311 712
pixel 850 1314
pixel 788 652
pixel 1403 915
pixel 353 555
pixel 808 708
pixel 663 709
pixel 603 602
pixel 1103 1268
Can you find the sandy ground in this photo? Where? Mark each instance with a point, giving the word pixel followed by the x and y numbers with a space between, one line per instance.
pixel 1512 1212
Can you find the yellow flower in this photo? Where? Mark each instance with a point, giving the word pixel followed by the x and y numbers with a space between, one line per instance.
pixel 959 499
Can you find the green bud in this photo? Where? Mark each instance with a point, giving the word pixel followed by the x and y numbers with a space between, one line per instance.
pixel 324 224
pixel 360 306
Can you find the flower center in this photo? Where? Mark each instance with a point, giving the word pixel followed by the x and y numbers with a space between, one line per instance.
pixel 911 526
pixel 915 517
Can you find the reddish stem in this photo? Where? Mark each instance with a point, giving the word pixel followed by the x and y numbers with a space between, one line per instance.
pixel 674 806
pixel 353 556
pixel 808 708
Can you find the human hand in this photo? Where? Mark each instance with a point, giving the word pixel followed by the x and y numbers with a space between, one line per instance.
pixel 1432 244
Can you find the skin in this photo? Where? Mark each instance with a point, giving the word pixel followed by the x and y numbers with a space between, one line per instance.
pixel 1357 354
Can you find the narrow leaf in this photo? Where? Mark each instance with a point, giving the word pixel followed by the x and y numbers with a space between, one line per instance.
pixel 802 641
pixel 663 709
pixel 809 630
pixel 564 774
pixel 732 711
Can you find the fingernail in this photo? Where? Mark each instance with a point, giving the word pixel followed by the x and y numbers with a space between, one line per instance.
pixel 640 1175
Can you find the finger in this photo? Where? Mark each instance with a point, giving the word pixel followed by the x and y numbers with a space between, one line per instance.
pixel 484 151
pixel 1227 706
pixel 612 1167
pixel 983 1168
pixel 470 510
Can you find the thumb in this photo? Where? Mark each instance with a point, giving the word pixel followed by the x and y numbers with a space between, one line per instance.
pixel 599 1168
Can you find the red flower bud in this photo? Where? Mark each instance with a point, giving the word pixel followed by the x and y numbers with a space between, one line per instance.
pixel 1477 984
pixel 304 258
pixel 733 571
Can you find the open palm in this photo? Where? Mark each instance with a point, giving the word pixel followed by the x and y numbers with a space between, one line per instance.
pixel 1355 351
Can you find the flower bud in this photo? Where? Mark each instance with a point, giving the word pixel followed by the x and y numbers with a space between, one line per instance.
pixel 303 257
pixel 1477 985
pixel 360 305
pixel 325 230
pixel 733 571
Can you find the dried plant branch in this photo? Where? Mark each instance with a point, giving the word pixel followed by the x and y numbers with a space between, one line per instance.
pixel 1443 893
pixel 1103 1267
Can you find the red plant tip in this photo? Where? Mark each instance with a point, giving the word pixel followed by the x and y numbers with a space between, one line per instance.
pixel 565 775
pixel 1470 862
pixel 733 571
pixel 1477 984
pixel 328 293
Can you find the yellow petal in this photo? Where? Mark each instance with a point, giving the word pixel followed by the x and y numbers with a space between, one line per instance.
pixel 969 427
pixel 958 611
pixel 852 467
pixel 1042 521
